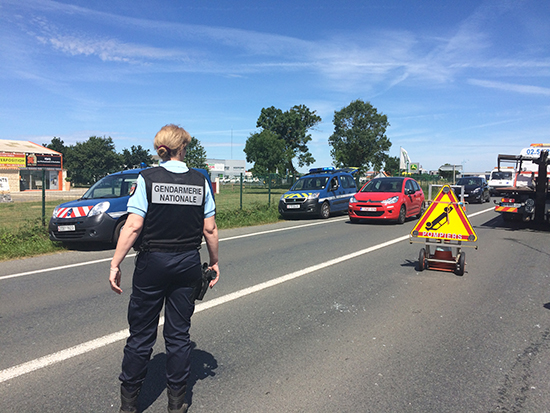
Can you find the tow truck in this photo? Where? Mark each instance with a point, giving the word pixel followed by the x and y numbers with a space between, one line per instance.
pixel 528 198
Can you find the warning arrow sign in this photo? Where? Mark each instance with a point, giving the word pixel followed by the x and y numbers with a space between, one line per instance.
pixel 445 219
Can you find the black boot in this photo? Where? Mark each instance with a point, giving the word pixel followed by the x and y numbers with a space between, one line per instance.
pixel 176 400
pixel 128 400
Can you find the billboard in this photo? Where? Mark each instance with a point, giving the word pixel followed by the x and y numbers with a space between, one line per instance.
pixel 12 160
pixel 43 161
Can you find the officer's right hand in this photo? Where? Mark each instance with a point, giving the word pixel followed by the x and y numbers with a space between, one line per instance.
pixel 114 279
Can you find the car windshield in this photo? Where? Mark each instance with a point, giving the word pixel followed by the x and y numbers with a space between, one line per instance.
pixel 112 186
pixel 501 175
pixel 384 185
pixel 314 182
pixel 469 181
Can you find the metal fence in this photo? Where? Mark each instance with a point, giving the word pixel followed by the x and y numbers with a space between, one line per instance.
pixel 21 208
pixel 241 193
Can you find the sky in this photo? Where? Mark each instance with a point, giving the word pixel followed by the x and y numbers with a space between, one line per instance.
pixel 459 81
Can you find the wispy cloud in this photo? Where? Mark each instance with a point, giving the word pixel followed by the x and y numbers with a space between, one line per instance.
pixel 511 87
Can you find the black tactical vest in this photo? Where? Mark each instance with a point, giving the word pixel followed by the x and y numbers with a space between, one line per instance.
pixel 175 215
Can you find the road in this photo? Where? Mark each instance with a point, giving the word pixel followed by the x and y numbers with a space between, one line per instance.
pixel 309 316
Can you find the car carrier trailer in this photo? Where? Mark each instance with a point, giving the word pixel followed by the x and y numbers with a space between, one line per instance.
pixel 528 198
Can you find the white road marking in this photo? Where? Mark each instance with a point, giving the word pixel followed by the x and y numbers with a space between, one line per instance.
pixel 39 363
pixel 64 267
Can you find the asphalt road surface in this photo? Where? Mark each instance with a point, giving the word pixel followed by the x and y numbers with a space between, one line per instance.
pixel 309 316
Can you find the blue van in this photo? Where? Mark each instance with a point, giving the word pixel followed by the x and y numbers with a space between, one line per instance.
pixel 320 192
pixel 101 212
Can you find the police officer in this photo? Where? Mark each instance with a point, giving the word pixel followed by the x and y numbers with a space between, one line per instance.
pixel 169 212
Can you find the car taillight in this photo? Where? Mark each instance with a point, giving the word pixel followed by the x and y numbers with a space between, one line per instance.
pixel 508 200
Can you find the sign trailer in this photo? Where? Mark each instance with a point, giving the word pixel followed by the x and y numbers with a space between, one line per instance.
pixel 445 226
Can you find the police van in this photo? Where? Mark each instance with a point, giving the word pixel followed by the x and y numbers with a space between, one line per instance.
pixel 320 192
pixel 101 212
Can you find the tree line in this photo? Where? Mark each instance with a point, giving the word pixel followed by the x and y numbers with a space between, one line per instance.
pixel 87 162
pixel 280 146
pixel 359 139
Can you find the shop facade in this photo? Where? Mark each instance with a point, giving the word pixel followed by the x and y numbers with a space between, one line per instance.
pixel 26 166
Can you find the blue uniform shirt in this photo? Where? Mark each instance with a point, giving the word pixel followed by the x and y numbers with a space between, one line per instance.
pixel 137 204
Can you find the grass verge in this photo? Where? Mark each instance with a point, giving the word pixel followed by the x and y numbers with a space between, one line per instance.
pixel 30 238
pixel 26 241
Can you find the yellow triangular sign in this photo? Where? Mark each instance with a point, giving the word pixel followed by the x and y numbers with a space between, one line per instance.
pixel 445 219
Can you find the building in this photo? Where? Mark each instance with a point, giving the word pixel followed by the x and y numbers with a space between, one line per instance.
pixel 27 166
pixel 226 168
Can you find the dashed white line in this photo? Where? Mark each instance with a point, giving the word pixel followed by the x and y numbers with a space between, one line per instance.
pixel 64 267
pixel 42 362
pixel 30 366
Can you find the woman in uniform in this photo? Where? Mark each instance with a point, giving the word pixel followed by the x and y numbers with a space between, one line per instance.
pixel 170 210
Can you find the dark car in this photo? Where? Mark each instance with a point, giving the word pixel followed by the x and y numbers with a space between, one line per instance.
pixel 476 189
pixel 392 198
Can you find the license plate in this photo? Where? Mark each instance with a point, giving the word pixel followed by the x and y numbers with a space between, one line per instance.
pixel 63 228
pixel 293 206
pixel 368 209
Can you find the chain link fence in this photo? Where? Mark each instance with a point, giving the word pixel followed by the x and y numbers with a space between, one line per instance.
pixel 241 193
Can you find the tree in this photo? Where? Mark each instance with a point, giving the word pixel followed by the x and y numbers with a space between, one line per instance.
pixel 134 157
pixel 359 138
pixel 292 128
pixel 266 150
pixel 88 161
pixel 57 145
pixel 391 165
pixel 195 156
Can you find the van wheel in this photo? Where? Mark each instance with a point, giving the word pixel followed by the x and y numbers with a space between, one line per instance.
pixel 325 210
pixel 116 234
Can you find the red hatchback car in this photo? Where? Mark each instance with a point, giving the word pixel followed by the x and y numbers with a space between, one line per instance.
pixel 393 198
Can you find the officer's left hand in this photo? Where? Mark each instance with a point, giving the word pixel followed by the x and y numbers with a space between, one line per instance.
pixel 215 280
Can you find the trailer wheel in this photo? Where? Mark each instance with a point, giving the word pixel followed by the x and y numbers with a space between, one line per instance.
pixel 422 260
pixel 460 263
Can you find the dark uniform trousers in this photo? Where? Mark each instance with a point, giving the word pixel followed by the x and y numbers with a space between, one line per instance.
pixel 168 278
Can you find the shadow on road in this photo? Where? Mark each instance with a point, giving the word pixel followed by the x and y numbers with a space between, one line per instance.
pixel 515 225
pixel 88 246
pixel 203 365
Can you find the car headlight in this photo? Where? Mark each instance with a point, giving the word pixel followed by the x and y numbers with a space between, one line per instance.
pixel 391 200
pixel 476 191
pixel 313 195
pixel 99 208
pixel 55 212
pixel 352 200
pixel 282 197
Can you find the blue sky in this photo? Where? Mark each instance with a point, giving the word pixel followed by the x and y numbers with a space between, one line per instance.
pixel 460 82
